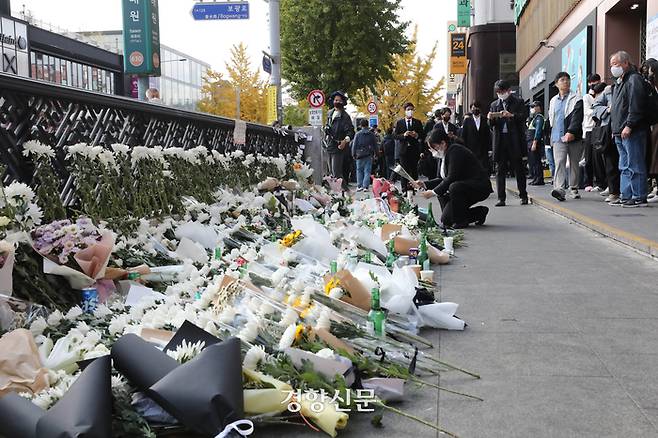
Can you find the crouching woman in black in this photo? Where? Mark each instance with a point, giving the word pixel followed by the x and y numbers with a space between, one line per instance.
pixel 462 183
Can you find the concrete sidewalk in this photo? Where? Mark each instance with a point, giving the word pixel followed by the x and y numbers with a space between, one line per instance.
pixel 636 227
pixel 562 328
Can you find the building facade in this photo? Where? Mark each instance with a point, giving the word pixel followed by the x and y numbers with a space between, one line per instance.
pixel 578 36
pixel 30 51
pixel 182 75
pixel 491 52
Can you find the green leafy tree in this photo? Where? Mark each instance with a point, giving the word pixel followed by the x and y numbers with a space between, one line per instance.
pixel 296 114
pixel 339 44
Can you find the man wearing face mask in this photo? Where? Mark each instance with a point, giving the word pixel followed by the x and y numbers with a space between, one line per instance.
pixel 507 121
pixel 462 183
pixel 566 119
pixel 339 131
pixel 409 137
pixel 629 129
pixel 476 135
pixel 535 136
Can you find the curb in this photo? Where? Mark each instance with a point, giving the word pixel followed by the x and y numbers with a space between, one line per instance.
pixel 646 246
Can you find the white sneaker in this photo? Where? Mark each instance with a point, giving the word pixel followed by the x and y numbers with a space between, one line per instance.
pixel 611 198
pixel 606 192
pixel 653 194
pixel 652 200
pixel 573 194
pixel 597 189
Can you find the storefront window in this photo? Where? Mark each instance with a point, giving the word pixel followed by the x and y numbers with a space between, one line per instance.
pixel 58 71
pixel 75 81
pixel 33 64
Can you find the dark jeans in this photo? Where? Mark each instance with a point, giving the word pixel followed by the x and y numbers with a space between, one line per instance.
pixel 509 161
pixel 613 175
pixel 388 167
pixel 534 163
pixel 410 163
pixel 456 205
pixel 594 165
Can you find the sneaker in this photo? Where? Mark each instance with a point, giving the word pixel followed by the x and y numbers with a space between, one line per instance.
pixel 653 194
pixel 524 201
pixel 589 188
pixel 606 192
pixel 597 189
pixel 617 202
pixel 611 198
pixel 634 203
pixel 500 204
pixel 652 200
pixel 573 194
pixel 557 194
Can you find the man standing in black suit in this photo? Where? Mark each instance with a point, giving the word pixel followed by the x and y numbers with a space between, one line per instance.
pixel 507 120
pixel 409 143
pixel 476 135
pixel 444 124
pixel 339 131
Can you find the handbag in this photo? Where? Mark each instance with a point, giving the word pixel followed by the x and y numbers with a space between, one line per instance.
pixel 601 137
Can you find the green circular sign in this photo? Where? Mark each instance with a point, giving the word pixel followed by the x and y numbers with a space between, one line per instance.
pixel 452 28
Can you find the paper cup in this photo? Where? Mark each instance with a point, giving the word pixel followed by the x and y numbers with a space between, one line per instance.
pixel 427 276
pixel 416 269
pixel 448 244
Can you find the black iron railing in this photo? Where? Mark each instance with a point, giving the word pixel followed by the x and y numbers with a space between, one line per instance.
pixel 61 116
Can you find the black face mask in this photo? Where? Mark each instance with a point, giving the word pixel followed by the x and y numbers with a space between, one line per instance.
pixel 476 112
pixel 339 105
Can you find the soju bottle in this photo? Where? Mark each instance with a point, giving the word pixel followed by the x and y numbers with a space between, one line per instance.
pixel 133 276
pixel 367 258
pixel 218 253
pixel 376 316
pixel 333 267
pixel 430 222
pixel 423 256
pixel 390 258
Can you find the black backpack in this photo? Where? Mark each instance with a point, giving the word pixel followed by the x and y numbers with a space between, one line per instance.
pixel 650 103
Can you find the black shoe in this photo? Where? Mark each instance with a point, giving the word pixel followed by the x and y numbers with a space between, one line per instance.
pixel 524 201
pixel 483 212
pixel 500 204
pixel 557 194
pixel 460 226
pixel 634 203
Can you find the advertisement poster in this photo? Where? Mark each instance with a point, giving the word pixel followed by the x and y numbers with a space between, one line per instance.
pixel 575 61
pixel 652 37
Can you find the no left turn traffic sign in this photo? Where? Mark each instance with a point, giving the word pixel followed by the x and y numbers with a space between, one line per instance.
pixel 316 98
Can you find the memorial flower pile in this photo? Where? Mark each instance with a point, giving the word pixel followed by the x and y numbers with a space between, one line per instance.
pixel 216 289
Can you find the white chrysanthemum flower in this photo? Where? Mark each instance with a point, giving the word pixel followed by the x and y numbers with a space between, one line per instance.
pixel 77 149
pixel 324 321
pixel 120 149
pixel 289 317
pixel 38 326
pixel 254 355
pixel 54 318
pixel 18 193
pixel 38 149
pixel 249 332
pixel 187 351
pixel 99 351
pixel 102 311
pixel 73 313
pixel 227 315
pixel 266 309
pixel 336 293
pixel 288 337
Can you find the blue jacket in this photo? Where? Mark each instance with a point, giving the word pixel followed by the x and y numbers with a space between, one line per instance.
pixel 364 144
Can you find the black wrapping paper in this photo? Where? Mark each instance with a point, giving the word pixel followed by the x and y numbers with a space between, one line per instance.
pixel 204 394
pixel 85 411
pixel 191 333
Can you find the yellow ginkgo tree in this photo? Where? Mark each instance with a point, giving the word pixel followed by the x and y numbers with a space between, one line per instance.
pixel 221 92
pixel 411 82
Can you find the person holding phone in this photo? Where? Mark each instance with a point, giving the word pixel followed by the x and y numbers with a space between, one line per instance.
pixel 409 136
pixel 507 122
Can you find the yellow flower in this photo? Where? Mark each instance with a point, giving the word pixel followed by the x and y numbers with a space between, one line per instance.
pixel 306 311
pixel 299 331
pixel 334 282
pixel 4 221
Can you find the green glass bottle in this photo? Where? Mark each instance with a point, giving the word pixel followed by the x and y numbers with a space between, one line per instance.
pixel 391 258
pixel 133 276
pixel 333 267
pixel 218 253
pixel 423 256
pixel 430 222
pixel 376 317
pixel 367 257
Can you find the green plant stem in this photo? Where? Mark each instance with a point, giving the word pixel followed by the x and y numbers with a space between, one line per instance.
pixel 441 388
pixel 413 417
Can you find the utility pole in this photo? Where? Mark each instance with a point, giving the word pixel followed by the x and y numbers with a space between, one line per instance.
pixel 237 103
pixel 275 49
pixel 5 7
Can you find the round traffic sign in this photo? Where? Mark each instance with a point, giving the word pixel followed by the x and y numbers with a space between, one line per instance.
pixel 452 28
pixel 316 98
pixel 372 107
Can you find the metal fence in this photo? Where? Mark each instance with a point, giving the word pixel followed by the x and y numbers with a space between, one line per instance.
pixel 61 116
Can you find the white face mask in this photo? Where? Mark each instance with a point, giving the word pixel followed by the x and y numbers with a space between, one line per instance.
pixel 409 113
pixel 617 70
pixel 435 154
pixel 532 110
pixel 503 96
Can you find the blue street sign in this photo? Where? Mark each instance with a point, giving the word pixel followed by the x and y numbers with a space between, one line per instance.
pixel 374 120
pixel 221 11
pixel 267 64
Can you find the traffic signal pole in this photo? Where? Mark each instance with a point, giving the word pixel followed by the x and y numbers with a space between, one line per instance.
pixel 275 51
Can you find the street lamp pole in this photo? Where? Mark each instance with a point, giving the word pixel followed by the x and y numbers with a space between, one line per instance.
pixel 5 7
pixel 275 49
